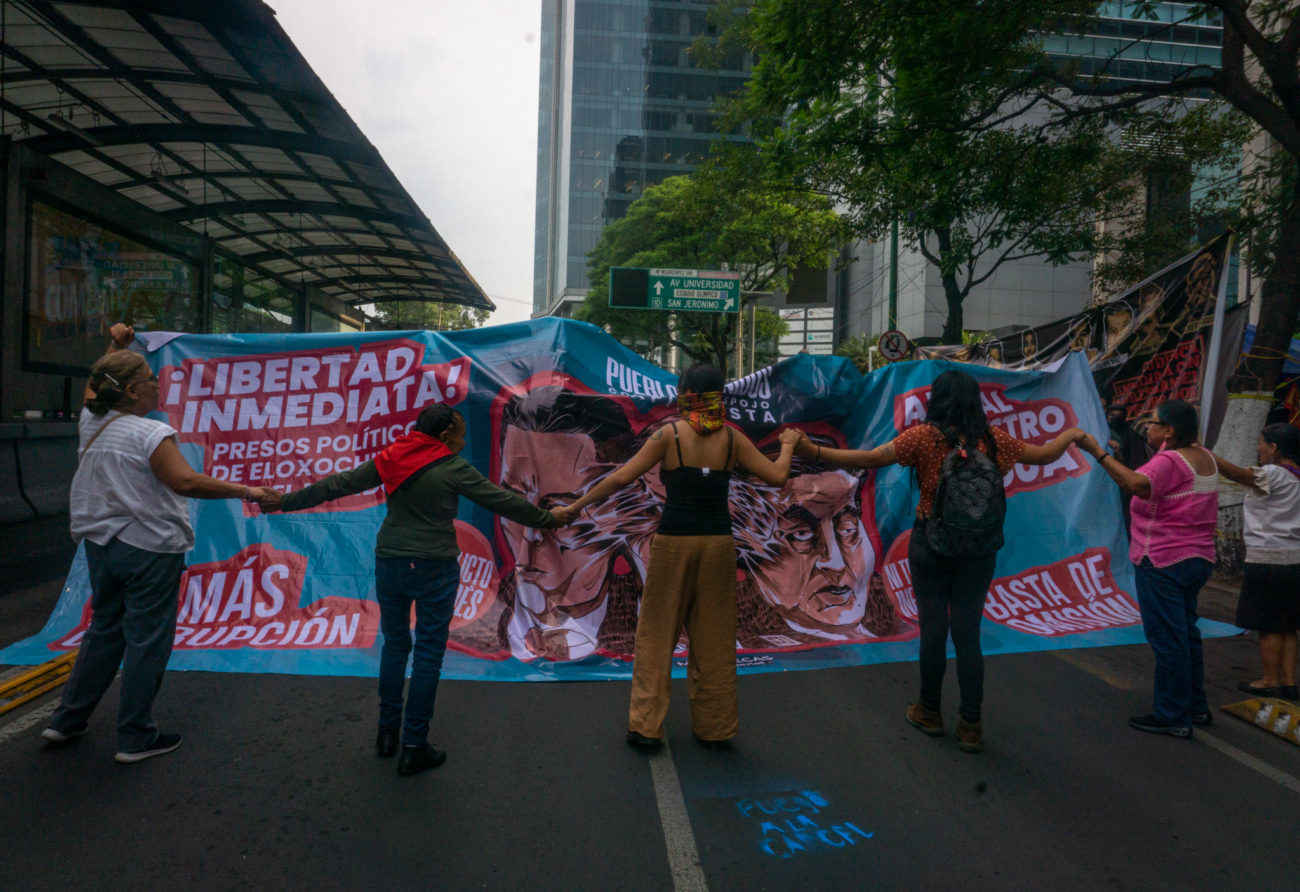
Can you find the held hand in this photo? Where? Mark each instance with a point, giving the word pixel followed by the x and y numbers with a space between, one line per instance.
pixel 121 334
pixel 1088 443
pixel 792 437
pixel 805 448
pixel 267 499
pixel 563 515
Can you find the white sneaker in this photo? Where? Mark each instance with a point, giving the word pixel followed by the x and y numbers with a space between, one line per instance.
pixel 163 743
pixel 60 737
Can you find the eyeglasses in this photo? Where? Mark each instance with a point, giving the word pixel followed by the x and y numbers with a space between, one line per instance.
pixel 152 379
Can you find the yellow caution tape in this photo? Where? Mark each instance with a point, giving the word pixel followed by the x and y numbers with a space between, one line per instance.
pixel 39 680
pixel 1276 716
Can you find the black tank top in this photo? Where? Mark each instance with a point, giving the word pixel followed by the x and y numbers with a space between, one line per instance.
pixel 696 502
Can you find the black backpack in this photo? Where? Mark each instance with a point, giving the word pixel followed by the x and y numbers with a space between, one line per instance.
pixel 969 504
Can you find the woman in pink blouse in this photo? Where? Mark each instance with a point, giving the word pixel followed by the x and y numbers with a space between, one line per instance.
pixel 1175 506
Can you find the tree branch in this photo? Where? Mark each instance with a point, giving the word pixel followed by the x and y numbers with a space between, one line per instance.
pixel 1235 14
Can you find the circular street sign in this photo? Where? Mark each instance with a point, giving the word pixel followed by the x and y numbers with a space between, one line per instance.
pixel 893 345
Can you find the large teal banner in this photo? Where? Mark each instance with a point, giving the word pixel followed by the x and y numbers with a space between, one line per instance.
pixel 552 406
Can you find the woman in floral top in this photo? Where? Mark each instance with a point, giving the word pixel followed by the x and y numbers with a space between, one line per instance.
pixel 950 592
pixel 1174 510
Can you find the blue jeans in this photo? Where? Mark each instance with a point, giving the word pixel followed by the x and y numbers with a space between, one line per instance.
pixel 431 585
pixel 134 600
pixel 1167 599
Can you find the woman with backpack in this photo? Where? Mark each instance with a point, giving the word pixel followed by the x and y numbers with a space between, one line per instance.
pixel 1174 511
pixel 1270 588
pixel 952 570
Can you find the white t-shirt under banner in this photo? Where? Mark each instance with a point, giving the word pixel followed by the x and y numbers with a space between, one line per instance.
pixel 1271 517
pixel 115 494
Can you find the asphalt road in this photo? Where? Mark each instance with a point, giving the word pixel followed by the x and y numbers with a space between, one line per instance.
pixel 276 787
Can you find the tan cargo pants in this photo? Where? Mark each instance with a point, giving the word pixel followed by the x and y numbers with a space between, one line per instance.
pixel 691 581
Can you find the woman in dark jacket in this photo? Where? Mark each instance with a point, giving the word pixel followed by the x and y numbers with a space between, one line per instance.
pixel 416 562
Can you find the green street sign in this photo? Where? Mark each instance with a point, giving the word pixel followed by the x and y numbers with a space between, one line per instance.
pixel 679 290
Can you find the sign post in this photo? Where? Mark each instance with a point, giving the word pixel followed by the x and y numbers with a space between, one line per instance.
pixel 893 345
pixel 678 290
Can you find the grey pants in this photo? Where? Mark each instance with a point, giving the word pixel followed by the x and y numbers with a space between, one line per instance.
pixel 134 602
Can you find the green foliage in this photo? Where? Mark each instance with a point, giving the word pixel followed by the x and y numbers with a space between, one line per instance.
pixel 910 111
pixel 712 219
pixel 858 349
pixel 430 315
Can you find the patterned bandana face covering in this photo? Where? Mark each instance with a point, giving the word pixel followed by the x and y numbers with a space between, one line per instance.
pixel 702 411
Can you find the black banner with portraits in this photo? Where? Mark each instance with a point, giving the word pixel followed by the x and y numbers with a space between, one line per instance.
pixel 1150 344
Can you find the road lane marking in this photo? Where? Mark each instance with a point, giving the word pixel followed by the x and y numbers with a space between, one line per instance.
pixel 10 673
pixel 1286 780
pixel 22 723
pixel 679 839
pixel 1256 765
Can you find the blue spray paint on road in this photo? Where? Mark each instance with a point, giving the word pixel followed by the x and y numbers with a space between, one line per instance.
pixel 793 823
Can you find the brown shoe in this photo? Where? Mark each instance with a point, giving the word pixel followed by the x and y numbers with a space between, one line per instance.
pixel 969 737
pixel 929 721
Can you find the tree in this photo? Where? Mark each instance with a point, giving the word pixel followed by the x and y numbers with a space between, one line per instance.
pixel 431 315
pixel 831 69
pixel 1259 78
pixel 912 113
pixel 713 219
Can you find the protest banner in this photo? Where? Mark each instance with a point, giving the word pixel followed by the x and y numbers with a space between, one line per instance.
pixel 552 406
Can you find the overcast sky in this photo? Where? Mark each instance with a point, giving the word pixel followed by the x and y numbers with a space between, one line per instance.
pixel 447 91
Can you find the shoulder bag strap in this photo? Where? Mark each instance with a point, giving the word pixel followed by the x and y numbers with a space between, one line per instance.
pixel 86 448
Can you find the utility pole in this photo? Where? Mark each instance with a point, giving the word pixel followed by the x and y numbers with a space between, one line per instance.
pixel 753 326
pixel 893 274
pixel 740 344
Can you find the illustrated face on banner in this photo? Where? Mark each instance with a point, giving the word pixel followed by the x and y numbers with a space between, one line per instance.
pixel 1082 336
pixel 551 469
pixel 1119 321
pixel 554 446
pixel 995 355
pixel 1150 337
pixel 807 549
pixel 1029 346
pixel 1149 295
pixel 965 353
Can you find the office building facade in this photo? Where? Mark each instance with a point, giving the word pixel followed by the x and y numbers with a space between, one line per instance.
pixel 621 107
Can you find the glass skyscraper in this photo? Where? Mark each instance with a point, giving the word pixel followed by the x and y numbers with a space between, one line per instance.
pixel 621 107
pixel 1136 51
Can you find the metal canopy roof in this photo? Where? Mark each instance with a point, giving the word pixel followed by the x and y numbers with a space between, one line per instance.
pixel 205 112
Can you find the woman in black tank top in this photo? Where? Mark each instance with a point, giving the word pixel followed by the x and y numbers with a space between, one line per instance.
pixel 691 577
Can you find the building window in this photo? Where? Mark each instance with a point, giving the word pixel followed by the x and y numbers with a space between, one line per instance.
pixel 83 277
pixel 324 320
pixel 244 300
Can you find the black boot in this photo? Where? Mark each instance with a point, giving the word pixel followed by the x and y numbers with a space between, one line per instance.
pixel 415 759
pixel 386 743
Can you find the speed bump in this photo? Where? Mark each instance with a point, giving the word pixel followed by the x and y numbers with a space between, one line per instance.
pixel 36 681
pixel 1276 716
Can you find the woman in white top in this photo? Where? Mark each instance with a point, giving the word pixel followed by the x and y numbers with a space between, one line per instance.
pixel 1270 588
pixel 128 507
